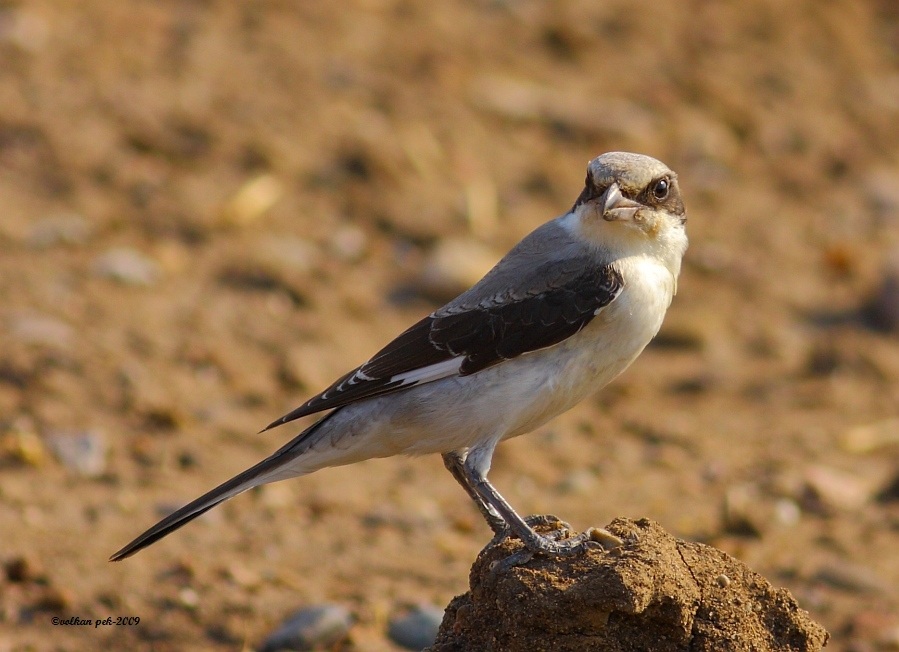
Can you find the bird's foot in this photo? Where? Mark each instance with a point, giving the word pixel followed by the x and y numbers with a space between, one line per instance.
pixel 560 529
pixel 555 545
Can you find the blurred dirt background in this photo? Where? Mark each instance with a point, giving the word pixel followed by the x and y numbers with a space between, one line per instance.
pixel 210 209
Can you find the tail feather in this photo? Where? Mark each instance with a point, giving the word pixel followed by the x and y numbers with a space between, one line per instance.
pixel 265 471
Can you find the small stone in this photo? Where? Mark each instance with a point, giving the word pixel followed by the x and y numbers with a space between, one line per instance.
pixel 285 253
pixel 188 598
pixel 454 265
pixel 24 28
pixel 871 437
pixel 41 330
pixel 744 512
pixel 581 482
pixel 787 511
pixel 416 629
pixel 65 229
pixel 319 626
pixel 252 200
pixel 22 447
pixel 723 581
pixel 82 452
pixel 348 243
pixel 828 489
pixel 605 538
pixel 882 191
pixel 277 495
pixel 243 576
pixel 55 599
pixel 889 493
pixel 882 311
pixel 21 569
pixel 851 578
pixel 128 267
pixel 308 365
pixel 878 626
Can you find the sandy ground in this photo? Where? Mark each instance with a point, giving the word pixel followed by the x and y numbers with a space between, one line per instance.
pixel 211 209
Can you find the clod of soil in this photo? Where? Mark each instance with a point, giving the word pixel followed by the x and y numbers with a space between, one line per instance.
pixel 654 592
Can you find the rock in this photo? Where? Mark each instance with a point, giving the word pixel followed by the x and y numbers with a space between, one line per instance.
pixel 654 592
pixel 82 452
pixel 128 267
pixel 319 626
pixel 416 629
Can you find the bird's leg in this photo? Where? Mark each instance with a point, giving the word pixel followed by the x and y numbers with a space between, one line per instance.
pixel 455 464
pixel 533 542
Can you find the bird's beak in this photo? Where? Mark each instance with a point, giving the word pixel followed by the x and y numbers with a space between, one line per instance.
pixel 617 207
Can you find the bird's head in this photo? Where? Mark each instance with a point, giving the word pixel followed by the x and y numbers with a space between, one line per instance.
pixel 631 202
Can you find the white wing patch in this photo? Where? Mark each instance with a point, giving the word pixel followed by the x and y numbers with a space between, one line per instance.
pixel 431 372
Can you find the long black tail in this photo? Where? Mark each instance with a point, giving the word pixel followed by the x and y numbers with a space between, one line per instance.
pixel 261 473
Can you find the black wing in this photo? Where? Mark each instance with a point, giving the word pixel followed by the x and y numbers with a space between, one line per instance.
pixel 464 339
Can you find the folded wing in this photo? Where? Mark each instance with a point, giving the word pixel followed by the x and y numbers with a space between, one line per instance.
pixel 549 304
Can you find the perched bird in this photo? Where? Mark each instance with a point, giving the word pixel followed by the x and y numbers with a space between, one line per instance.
pixel 563 313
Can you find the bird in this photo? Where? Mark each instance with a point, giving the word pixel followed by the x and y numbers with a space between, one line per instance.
pixel 563 313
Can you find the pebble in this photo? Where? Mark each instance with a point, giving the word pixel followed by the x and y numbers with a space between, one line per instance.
pixel 128 267
pixel 882 310
pixel 871 437
pixel 252 200
pixel 25 29
pixel 581 482
pixel 787 511
pixel 835 490
pixel 318 626
pixel 851 578
pixel 348 243
pixel 22 447
pixel 889 493
pixel 64 229
pixel 82 452
pixel 453 266
pixel 286 253
pixel 41 330
pixel 744 512
pixel 189 598
pixel 882 191
pixel 19 570
pixel 879 626
pixel 523 100
pixel 416 629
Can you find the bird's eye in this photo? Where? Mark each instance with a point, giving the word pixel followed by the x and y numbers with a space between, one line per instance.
pixel 660 189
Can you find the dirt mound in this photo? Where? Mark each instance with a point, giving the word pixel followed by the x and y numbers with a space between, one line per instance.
pixel 654 592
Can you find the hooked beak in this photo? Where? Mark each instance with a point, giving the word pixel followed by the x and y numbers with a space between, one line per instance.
pixel 617 207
